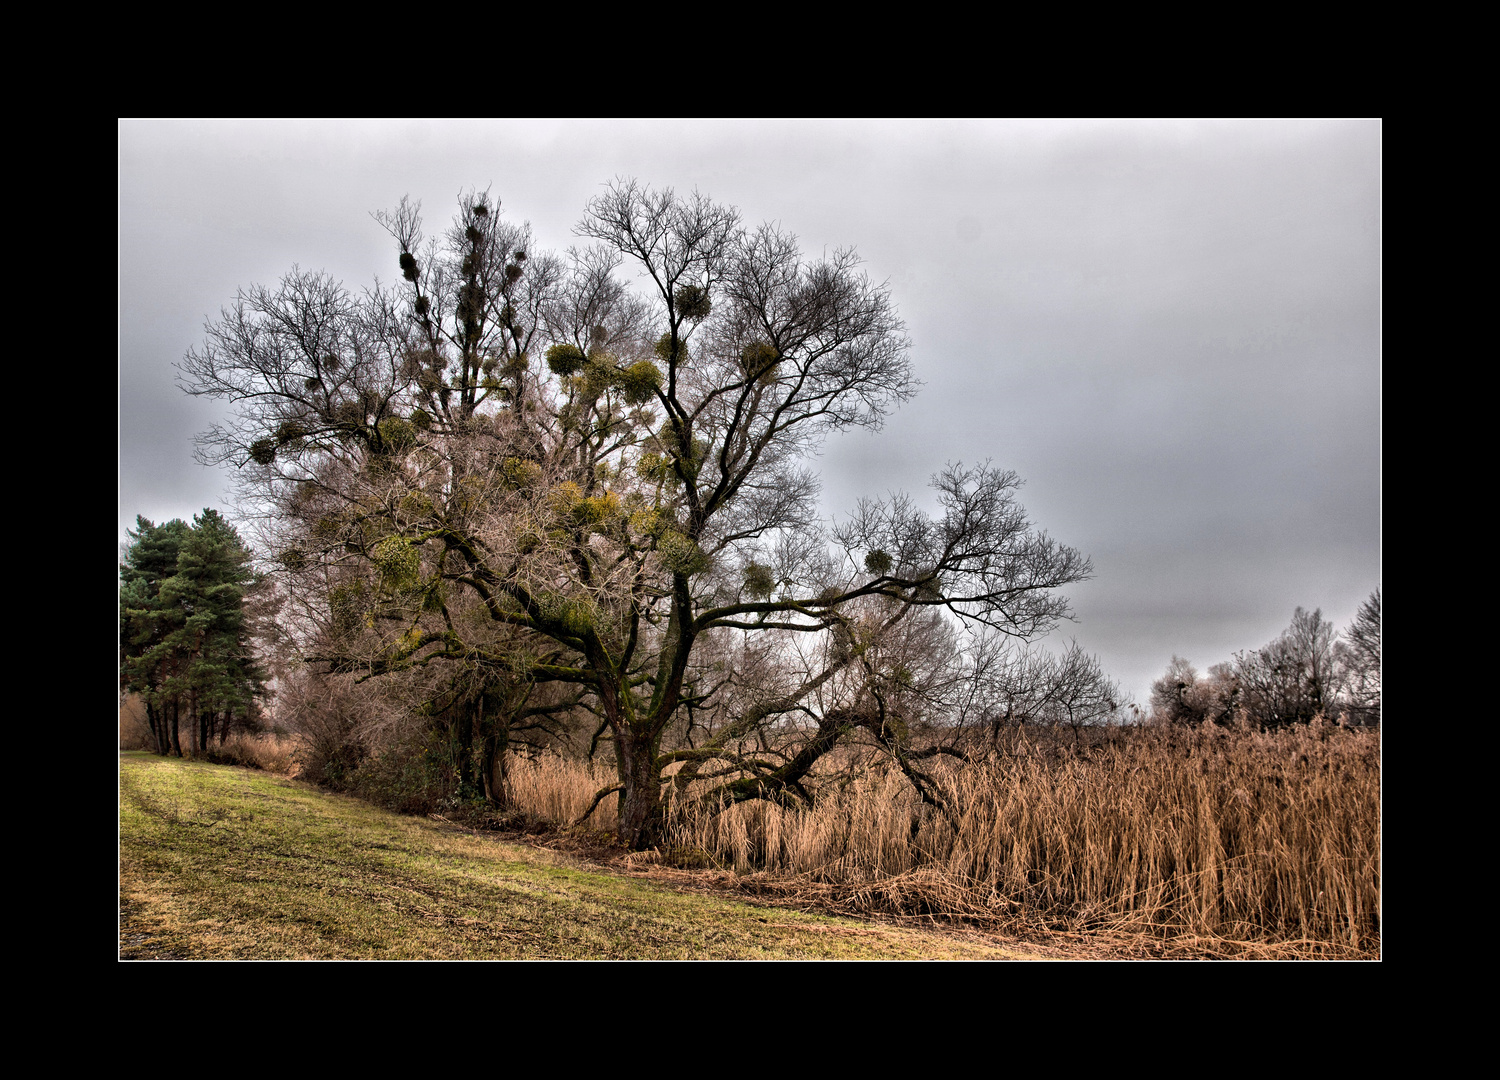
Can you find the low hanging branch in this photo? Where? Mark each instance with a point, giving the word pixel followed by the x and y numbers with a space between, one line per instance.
pixel 602 794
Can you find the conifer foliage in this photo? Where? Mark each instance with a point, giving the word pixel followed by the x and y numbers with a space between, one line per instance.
pixel 184 637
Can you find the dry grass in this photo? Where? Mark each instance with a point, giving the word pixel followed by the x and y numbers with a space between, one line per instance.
pixel 272 753
pixel 135 733
pixel 1215 842
pixel 557 791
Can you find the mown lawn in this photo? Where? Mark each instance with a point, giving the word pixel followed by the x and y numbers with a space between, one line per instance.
pixel 221 863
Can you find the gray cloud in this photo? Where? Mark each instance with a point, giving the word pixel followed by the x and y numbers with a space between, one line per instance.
pixel 1170 329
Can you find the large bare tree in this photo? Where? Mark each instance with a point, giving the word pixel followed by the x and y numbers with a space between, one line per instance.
pixel 540 469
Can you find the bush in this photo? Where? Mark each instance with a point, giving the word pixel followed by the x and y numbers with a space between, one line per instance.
pixel 330 764
pixel 271 752
pixel 415 778
pixel 329 718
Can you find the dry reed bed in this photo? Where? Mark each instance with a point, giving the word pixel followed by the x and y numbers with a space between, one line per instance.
pixel 1240 840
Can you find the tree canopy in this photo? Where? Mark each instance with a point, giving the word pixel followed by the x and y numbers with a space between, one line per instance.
pixel 592 496
pixel 184 634
pixel 1307 672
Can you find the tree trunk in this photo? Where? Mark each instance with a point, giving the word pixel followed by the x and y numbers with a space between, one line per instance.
pixel 463 749
pixel 195 723
pixel 642 816
pixel 493 768
pixel 158 725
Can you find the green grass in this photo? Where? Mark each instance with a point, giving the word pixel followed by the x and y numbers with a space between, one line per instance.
pixel 225 863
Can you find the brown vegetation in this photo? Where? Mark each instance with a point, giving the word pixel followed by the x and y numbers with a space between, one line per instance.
pixel 1200 842
pixel 1210 841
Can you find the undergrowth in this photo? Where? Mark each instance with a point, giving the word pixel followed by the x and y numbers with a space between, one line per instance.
pixel 1206 841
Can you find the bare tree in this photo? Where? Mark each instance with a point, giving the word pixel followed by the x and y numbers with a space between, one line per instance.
pixel 523 467
pixel 1293 679
pixel 1359 659
pixel 366 422
pixel 1181 696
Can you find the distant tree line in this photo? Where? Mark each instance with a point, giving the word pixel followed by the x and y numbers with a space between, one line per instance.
pixel 1309 670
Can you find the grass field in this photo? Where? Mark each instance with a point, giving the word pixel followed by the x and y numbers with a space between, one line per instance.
pixel 221 863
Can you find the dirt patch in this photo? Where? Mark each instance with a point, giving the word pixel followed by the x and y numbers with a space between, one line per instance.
pixel 137 942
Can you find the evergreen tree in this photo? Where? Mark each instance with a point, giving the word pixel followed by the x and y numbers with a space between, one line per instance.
pixel 146 661
pixel 184 636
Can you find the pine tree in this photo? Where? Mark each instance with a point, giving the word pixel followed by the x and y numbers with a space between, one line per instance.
pixel 184 635
pixel 146 660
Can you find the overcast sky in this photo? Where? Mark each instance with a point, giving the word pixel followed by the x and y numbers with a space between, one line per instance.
pixel 1170 329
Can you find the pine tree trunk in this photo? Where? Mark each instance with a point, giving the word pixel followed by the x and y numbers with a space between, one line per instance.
pixel 158 725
